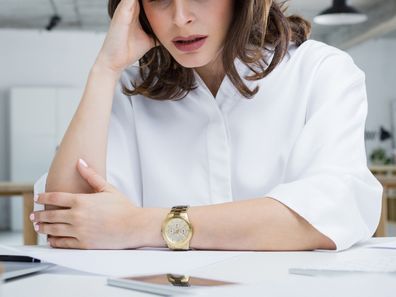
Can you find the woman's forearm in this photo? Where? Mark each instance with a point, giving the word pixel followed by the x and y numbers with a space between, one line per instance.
pixel 86 136
pixel 256 224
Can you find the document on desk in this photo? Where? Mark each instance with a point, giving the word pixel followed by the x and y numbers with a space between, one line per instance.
pixel 385 263
pixel 386 245
pixel 125 262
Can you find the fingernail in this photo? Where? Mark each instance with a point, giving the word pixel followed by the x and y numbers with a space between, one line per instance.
pixel 83 163
pixel 31 217
pixel 36 227
pixel 35 198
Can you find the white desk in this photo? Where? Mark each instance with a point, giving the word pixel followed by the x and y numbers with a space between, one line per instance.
pixel 263 274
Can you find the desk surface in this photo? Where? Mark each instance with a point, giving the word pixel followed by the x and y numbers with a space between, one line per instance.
pixel 262 273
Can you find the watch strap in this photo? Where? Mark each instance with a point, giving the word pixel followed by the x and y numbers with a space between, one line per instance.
pixel 177 210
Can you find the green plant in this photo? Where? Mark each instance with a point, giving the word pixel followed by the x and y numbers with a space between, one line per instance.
pixel 378 156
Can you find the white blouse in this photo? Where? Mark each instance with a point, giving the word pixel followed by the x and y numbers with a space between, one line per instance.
pixel 299 140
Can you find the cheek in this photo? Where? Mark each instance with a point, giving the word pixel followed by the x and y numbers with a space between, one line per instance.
pixel 218 20
pixel 225 14
pixel 157 23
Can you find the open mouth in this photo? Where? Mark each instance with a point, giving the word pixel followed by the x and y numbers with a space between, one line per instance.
pixel 189 44
pixel 189 41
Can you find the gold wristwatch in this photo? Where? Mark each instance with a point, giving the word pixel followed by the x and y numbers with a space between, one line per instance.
pixel 176 229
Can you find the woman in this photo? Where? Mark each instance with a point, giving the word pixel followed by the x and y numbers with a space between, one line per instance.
pixel 231 112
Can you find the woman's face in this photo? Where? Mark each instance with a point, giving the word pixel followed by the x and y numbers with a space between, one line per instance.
pixel 205 21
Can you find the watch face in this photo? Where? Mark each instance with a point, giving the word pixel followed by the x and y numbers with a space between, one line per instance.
pixel 177 230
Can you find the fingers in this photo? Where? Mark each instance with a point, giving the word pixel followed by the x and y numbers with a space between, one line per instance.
pixel 52 216
pixel 63 230
pixel 124 9
pixel 95 180
pixel 126 4
pixel 56 199
pixel 64 242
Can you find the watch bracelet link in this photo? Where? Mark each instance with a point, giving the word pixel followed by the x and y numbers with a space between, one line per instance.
pixel 177 210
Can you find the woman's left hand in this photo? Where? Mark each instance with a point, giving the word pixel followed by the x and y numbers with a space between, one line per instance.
pixel 105 219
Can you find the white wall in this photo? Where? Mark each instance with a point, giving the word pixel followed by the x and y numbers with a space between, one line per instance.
pixel 40 58
pixel 378 60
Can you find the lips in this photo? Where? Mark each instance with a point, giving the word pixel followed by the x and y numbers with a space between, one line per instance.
pixel 189 44
pixel 189 39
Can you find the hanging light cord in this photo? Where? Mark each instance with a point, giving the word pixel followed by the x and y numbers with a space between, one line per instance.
pixel 78 14
pixel 54 8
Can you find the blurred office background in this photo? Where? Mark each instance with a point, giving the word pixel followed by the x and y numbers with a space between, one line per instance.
pixel 48 46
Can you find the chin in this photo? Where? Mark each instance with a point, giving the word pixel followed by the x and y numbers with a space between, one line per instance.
pixel 191 60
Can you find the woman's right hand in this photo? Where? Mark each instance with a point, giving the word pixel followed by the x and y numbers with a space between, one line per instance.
pixel 125 42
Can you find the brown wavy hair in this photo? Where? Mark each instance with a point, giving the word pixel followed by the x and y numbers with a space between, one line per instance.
pixel 258 27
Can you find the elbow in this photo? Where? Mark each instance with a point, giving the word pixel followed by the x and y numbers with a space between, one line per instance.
pixel 324 242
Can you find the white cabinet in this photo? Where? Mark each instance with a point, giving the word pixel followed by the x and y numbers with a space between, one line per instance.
pixel 38 118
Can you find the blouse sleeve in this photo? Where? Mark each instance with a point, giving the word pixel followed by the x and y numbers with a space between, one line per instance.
pixel 327 181
pixel 122 164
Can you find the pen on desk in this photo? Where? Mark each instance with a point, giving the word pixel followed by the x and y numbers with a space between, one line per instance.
pixel 16 258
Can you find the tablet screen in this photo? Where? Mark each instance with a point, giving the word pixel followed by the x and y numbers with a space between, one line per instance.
pixel 178 280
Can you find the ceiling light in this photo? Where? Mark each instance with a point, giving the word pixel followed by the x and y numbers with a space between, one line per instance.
pixel 53 22
pixel 340 14
pixel 55 19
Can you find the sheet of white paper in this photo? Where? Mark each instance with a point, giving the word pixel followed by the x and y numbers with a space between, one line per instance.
pixel 125 262
pixel 387 245
pixel 385 263
pixel 8 250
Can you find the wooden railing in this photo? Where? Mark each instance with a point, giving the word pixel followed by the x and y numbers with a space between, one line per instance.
pixel 386 175
pixel 26 191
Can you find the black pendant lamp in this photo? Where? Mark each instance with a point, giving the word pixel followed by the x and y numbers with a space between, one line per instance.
pixel 340 14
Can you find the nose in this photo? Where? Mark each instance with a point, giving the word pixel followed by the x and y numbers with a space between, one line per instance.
pixel 182 14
